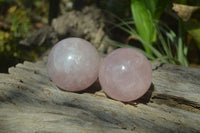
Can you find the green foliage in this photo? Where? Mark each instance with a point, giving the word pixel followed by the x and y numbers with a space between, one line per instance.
pixel 146 15
pixel 182 50
pixel 19 29
pixel 191 10
pixel 168 48
pixel 159 41
pixel 194 29
pixel 20 22
pixel 19 16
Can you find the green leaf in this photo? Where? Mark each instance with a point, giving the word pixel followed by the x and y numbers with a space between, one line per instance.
pixel 146 15
pixel 143 21
pixel 194 30
pixel 181 49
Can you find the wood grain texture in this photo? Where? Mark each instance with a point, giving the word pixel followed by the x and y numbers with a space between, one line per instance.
pixel 30 102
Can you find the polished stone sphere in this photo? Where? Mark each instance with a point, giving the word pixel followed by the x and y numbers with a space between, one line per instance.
pixel 125 74
pixel 73 64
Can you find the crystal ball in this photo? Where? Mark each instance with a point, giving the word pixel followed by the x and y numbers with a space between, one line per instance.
pixel 73 64
pixel 125 74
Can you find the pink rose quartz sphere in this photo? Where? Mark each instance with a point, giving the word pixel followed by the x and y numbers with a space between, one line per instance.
pixel 73 64
pixel 125 74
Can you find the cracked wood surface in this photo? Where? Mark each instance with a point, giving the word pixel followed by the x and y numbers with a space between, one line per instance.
pixel 30 102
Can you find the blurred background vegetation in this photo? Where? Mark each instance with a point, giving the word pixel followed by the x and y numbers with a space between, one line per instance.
pixel 166 31
pixel 17 19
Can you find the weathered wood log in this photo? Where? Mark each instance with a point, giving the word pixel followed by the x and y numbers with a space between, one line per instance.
pixel 30 102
